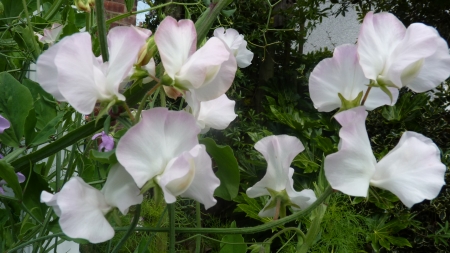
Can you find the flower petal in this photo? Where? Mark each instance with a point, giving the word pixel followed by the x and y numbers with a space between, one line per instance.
pixel 236 43
pixel 176 41
pixel 435 69
pixel 50 200
pixel 124 44
pixel 244 56
pixel 20 177
pixel 303 198
pixel 4 124
pixel 176 178
pixel 379 34
pixel 279 151
pixel 120 190
pixel 148 146
pixel 204 182
pixel 377 98
pixel 82 211
pixel 413 170
pixel 51 35
pixel 349 170
pixel 80 79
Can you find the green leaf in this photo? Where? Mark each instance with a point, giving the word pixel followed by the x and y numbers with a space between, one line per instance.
pixel 49 130
pixel 32 193
pixel 228 172
pixel 129 4
pixel 26 40
pixel 44 104
pixel 406 107
pixel 234 238
pixel 228 13
pixel 9 175
pixel 30 124
pixel 15 104
pixel 399 241
pixel 103 157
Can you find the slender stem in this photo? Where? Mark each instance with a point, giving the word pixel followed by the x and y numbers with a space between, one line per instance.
pixel 171 228
pixel 365 95
pixel 142 104
pixel 130 115
pixel 162 96
pixel 137 214
pixel 58 164
pixel 313 230
pixel 101 27
pixel 206 20
pixel 198 240
pixel 157 225
pixel 25 208
pixel 298 231
pixel 277 209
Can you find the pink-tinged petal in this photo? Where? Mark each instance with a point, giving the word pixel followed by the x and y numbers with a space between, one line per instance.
pixel 217 84
pixel 50 200
pixel 177 176
pixel 148 146
pixel 204 181
pixel 144 33
pixel 217 113
pixel 279 151
pixel 379 34
pixel 203 65
pixel 124 44
pixel 244 56
pixel 404 62
pixel 82 209
pixel 340 74
pixel 47 70
pixel 176 41
pixel 51 35
pixel 350 169
pixel 4 124
pixel 120 190
pixel 151 69
pixel 435 69
pixel 20 177
pixel 80 78
pixel 303 198
pixel 413 170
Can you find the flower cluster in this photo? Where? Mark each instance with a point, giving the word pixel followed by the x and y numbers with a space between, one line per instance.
pixel 162 149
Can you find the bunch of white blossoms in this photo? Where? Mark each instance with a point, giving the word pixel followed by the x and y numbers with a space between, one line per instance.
pixel 387 57
pixel 162 149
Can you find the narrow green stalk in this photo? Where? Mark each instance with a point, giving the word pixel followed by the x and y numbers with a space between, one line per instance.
pixel 101 28
pixel 87 17
pixel 313 230
pixel 58 164
pixel 137 214
pixel 25 208
pixel 365 95
pixel 296 230
pixel 162 96
pixel 207 19
pixel 43 228
pixel 198 214
pixel 53 9
pixel 171 228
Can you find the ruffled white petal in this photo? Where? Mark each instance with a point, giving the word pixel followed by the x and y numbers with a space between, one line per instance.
pixel 279 151
pixel 176 41
pixel 148 146
pixel 236 44
pixel 176 178
pixel 51 35
pixel 350 169
pixel 303 198
pixel 244 56
pixel 82 209
pixel 413 170
pixel 120 190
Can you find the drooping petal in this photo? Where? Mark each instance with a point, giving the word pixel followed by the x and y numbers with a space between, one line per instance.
pixel 82 209
pixel 236 44
pixel 217 113
pixel 435 69
pixel 124 44
pixel 51 35
pixel 50 200
pixel 20 177
pixel 176 41
pixel 404 62
pixel 279 151
pixel 204 182
pixel 377 98
pixel 203 65
pixel 413 170
pixel 340 74
pixel 148 146
pixel 244 56
pixel 304 198
pixel 350 169
pixel 80 78
pixel 120 190
pixel 4 124
pixel 379 34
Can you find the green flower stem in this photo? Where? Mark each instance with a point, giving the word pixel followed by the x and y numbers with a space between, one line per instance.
pixel 53 9
pixel 365 95
pixel 206 20
pixel 171 228
pixel 198 214
pixel 101 28
pixel 298 231
pixel 248 230
pixel 58 164
pixel 63 142
pixel 137 214
pixel 313 230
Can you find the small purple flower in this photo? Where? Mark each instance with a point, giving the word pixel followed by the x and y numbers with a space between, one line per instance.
pixel 4 124
pixel 21 178
pixel 107 143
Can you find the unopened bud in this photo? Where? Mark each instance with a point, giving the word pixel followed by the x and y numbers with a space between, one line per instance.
pixel 172 92
pixel 84 5
pixel 146 52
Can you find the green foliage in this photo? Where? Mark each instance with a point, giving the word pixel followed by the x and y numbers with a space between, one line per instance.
pixel 233 243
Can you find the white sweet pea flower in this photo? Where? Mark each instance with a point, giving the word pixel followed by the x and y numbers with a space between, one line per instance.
pixel 395 56
pixel 164 147
pixel 236 43
pixel 71 73
pixel 279 151
pixel 209 70
pixel 81 208
pixel 343 75
pixel 51 35
pixel 412 170
pixel 217 113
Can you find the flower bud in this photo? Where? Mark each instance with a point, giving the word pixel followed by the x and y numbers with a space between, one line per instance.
pixel 146 52
pixel 84 5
